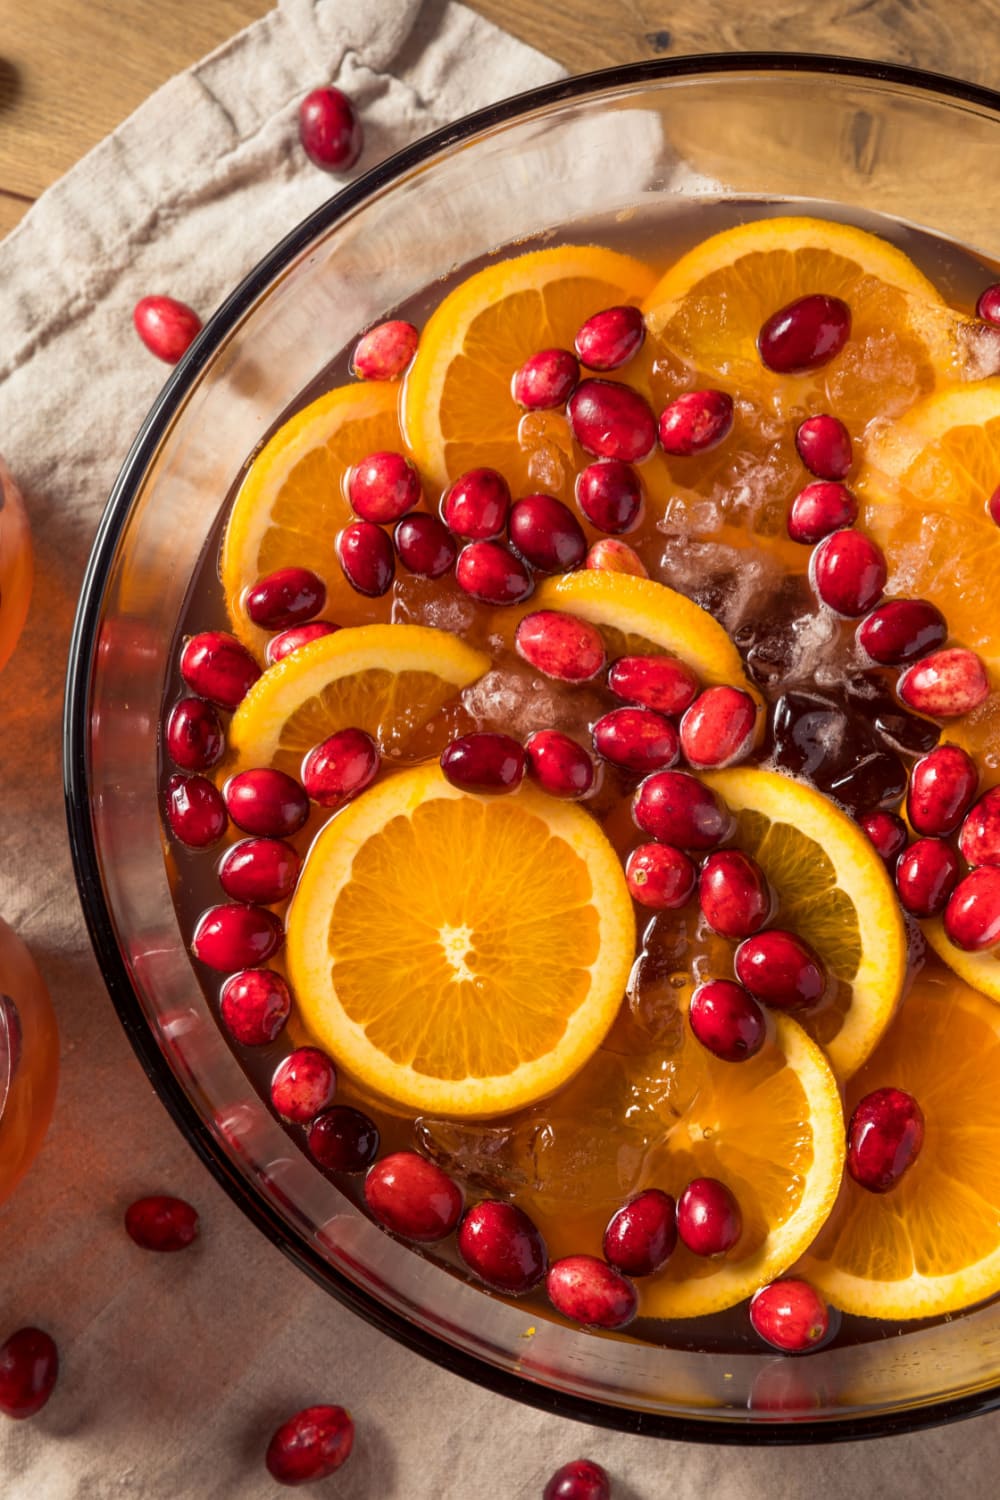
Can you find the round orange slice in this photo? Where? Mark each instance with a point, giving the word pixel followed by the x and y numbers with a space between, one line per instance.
pixel 708 308
pixel 458 411
pixel 932 1244
pixel 457 954
pixel 291 503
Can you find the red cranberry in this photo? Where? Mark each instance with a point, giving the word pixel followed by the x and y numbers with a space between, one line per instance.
pixel 559 765
pixel 287 597
pixel 660 877
pixel 709 1221
pixel 641 1236
pixel 902 630
pixel 988 306
pixel 610 495
pixel 266 802
pixel 942 786
pixel 476 506
pixel 695 422
pixel 385 351
pixel 341 767
pixel 311 1445
pixel 259 870
pixel 280 646
pixel 611 421
pixel 972 916
pixel 727 1021
pixel 926 874
pixel 718 728
pixel 979 840
pixel 824 446
pixel 217 667
pixel 638 739
pixel 660 682
pixel 194 735
pixel 489 572
pixel 805 334
pixel 29 1366
pixel 609 555
pixel 819 509
pixel 503 1247
pixel 162 1223
pixel 676 809
pixel 610 338
pixel 167 327
pixel 303 1085
pixel 425 545
pixel 734 894
pixel 884 1138
pixel 236 937
pixel 848 572
pixel 484 763
pixel 591 1293
pixel 887 832
pixel 413 1197
pixel 367 558
pixel 343 1139
pixel 195 811
pixel 946 684
pixel 547 534
pixel 580 1480
pixel 254 1006
pixel 560 645
pixel 993 506
pixel 383 487
pixel 546 380
pixel 790 1315
pixel 780 969
pixel 330 130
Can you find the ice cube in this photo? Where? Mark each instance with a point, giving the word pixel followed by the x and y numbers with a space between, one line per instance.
pixel 516 700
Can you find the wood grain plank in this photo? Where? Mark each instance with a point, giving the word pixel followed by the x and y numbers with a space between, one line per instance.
pixel 71 70
pixel 13 207
pixel 961 37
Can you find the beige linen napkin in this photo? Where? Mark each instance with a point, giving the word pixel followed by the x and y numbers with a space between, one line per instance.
pixel 176 1368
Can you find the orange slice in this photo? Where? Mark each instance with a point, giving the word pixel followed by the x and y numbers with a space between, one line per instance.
pixel 932 1244
pixel 770 1128
pixel 291 504
pixel 834 891
pixel 389 680
pixel 459 954
pixel 926 486
pixel 707 311
pixel 458 411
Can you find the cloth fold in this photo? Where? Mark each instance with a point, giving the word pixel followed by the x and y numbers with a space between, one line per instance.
pixel 175 1369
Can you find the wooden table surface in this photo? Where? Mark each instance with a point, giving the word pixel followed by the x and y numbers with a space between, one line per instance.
pixel 70 70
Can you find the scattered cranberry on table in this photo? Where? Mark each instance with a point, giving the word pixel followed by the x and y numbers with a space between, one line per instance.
pixel 385 351
pixel 590 1292
pixel 709 1219
pixel 503 1246
pixel 413 1197
pixel 254 1005
pixel 804 335
pixel 790 1315
pixel 162 1223
pixel 641 1236
pixel 884 1137
pixel 581 1479
pixel 29 1368
pixel 727 1020
pixel 167 327
pixel 330 130
pixel 485 763
pixel 610 338
pixel 311 1445
pixel 303 1085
